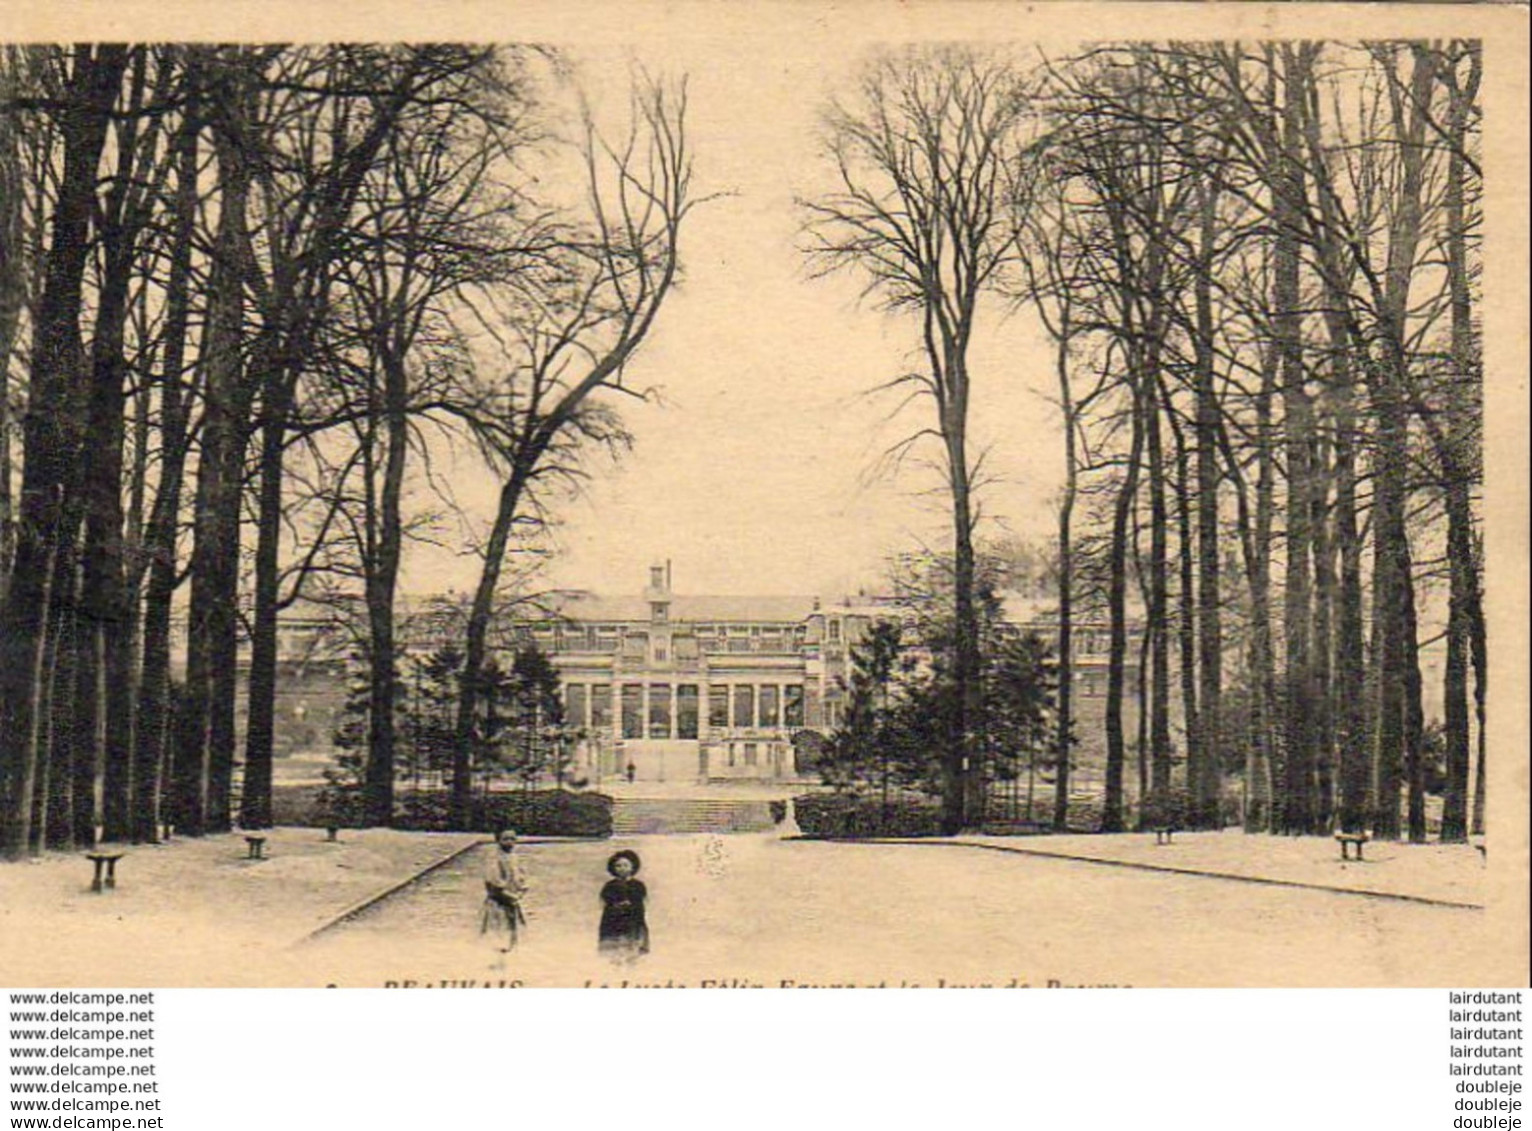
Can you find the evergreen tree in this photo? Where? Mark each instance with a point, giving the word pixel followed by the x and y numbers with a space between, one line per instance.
pixel 1021 678
pixel 536 702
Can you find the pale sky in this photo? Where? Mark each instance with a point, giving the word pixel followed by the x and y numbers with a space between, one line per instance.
pixel 757 474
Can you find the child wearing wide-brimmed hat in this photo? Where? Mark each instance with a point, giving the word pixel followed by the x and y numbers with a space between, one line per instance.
pixel 624 931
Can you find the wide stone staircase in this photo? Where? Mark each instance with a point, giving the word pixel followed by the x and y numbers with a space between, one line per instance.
pixel 643 815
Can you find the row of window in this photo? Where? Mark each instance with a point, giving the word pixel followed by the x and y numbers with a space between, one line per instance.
pixel 658 710
pixel 546 629
pixel 608 638
pixel 736 639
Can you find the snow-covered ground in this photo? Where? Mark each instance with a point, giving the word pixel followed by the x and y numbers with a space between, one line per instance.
pixel 756 909
pixel 759 910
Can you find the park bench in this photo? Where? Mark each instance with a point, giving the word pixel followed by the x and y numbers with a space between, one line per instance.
pixel 105 869
pixel 1164 833
pixel 1346 840
pixel 255 847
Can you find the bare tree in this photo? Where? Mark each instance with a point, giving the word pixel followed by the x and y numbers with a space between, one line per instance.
pixel 1287 185
pixel 158 551
pixel 1055 266
pixel 104 702
pixel 432 221
pixel 1457 442
pixel 574 323
pixel 327 145
pixel 921 154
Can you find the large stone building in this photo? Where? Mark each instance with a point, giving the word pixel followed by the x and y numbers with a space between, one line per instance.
pixel 697 688
pixel 681 688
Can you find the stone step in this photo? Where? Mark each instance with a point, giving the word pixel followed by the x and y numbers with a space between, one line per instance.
pixel 689 815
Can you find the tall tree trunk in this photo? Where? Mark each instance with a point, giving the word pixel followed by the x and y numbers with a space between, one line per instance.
pixel 1207 790
pixel 1261 767
pixel 1323 722
pixel 1064 740
pixel 962 798
pixel 58 700
pixel 476 647
pixel 152 736
pixel 13 271
pixel 1245 528
pixel 48 807
pixel 1463 585
pixel 382 582
pixel 1186 627
pixel 1288 195
pixel 1158 603
pixel 205 747
pixel 278 386
pixel 1145 688
pixel 1390 579
pixel 1348 674
pixel 1112 817
pixel 104 598
pixel 1345 736
pixel 1457 443
pixel 1414 710
pixel 260 728
pixel 1479 649
pixel 89 727
pixel 7 523
pixel 1397 747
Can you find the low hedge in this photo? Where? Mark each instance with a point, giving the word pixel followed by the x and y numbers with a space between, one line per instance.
pixel 832 815
pixel 545 812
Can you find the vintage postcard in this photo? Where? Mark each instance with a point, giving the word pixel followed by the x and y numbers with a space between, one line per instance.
pixel 768 495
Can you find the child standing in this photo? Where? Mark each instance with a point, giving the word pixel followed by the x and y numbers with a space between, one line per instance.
pixel 624 934
pixel 504 886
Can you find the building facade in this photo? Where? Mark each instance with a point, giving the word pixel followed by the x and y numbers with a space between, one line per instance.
pixel 680 688
pixel 670 687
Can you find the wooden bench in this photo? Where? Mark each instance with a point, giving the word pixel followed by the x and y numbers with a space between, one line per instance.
pixel 1346 840
pixel 106 869
pixel 255 848
pixel 1163 834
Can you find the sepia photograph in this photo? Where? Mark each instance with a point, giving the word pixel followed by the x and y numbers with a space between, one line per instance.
pixel 765 496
